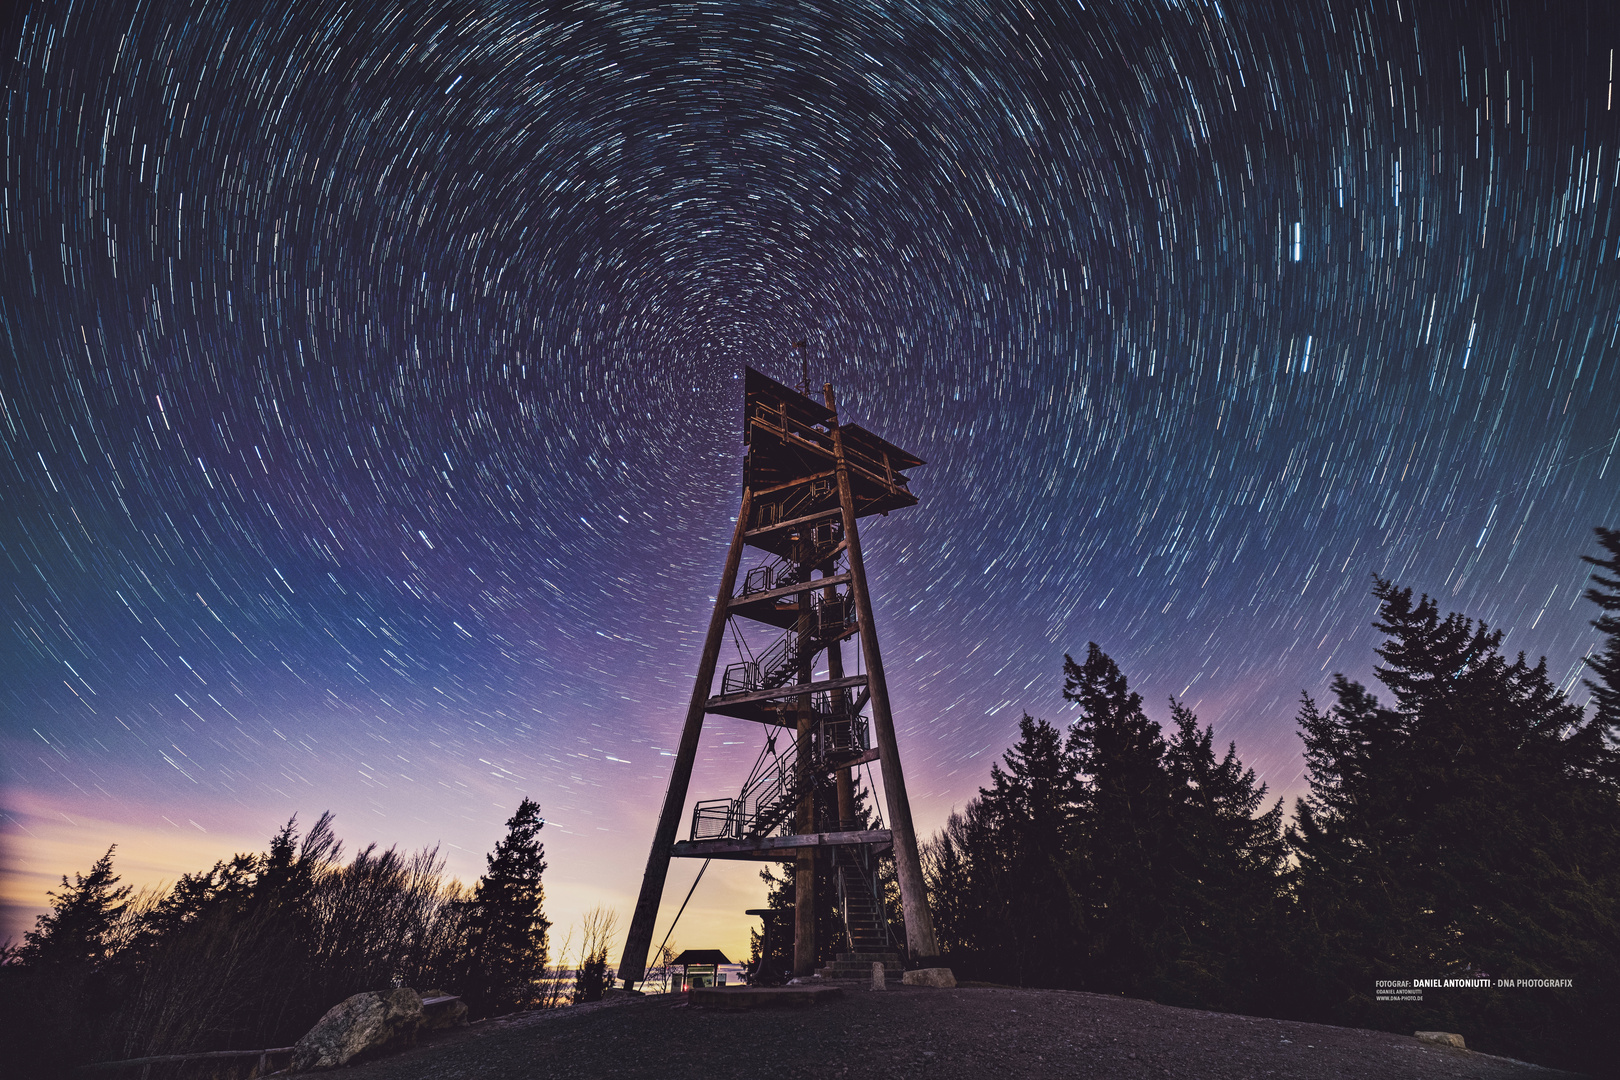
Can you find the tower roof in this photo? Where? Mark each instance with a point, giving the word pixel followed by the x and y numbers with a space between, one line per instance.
pixel 790 446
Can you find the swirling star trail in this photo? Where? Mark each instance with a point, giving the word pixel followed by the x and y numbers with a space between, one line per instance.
pixel 370 383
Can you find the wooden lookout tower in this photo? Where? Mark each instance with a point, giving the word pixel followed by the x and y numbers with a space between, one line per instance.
pixel 807 481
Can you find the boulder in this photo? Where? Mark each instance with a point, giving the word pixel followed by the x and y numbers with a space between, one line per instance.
pixel 1442 1038
pixel 363 1024
pixel 939 977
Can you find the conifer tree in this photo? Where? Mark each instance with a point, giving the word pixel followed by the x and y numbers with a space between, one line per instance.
pixel 1605 593
pixel 1227 859
pixel 1111 859
pixel 1124 803
pixel 1458 831
pixel 1028 815
pixel 507 927
pixel 75 932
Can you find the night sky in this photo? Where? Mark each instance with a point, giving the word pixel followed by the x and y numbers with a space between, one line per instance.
pixel 370 385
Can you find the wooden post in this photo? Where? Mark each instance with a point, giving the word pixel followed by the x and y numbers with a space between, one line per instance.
pixel 804 861
pixel 840 698
pixel 920 940
pixel 638 940
pixel 835 670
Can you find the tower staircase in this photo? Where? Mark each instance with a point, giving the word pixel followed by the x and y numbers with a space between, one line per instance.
pixel 864 921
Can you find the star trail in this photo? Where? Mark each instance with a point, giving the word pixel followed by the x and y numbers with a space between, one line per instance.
pixel 370 384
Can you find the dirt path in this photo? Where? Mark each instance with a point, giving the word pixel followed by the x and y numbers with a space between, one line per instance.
pixel 964 1034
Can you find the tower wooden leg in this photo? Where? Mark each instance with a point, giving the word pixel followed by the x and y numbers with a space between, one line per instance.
pixel 638 940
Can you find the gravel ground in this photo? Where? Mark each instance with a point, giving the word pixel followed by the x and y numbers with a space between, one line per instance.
pixel 962 1034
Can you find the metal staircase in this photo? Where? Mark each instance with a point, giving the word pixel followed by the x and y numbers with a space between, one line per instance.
pixel 780 664
pixel 766 803
pixel 864 920
pixel 772 792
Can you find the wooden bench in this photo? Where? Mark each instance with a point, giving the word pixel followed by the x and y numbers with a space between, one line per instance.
pixel 264 1056
pixel 146 1063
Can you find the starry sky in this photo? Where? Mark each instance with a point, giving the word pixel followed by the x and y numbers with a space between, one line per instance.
pixel 370 383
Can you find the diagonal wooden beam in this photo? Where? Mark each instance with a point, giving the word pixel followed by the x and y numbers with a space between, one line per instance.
pixel 638 940
pixel 785 691
pixel 920 940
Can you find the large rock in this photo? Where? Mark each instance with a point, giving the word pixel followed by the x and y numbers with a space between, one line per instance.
pixel 1444 1038
pixel 936 977
pixel 365 1023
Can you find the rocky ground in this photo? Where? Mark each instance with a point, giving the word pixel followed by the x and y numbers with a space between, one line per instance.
pixel 938 1034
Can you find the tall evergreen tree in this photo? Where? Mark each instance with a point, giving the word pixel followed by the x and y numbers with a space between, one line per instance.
pixel 76 931
pixel 1124 821
pixel 1021 855
pixel 1112 859
pixel 1605 593
pixel 507 927
pixel 1227 858
pixel 1458 831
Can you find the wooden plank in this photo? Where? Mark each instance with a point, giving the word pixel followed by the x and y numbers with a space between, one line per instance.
pixel 207 1055
pixel 786 691
pixel 774 488
pixel 720 849
pixel 790 523
pixel 789 590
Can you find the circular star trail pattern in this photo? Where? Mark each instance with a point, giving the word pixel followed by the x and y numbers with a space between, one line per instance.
pixel 371 377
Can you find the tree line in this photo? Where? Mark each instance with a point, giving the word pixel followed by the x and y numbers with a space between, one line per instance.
pixel 1465 826
pixel 250 953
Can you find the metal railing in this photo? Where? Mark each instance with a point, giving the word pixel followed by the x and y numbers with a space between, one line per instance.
pixel 780 572
pixel 779 664
pixel 794 504
pixel 856 863
pixel 763 806
pixel 843 737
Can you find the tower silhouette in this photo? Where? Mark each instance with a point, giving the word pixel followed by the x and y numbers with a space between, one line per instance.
pixel 808 479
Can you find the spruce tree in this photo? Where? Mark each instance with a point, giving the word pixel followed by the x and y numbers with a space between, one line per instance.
pixel 76 932
pixel 507 927
pixel 1605 593
pixel 1113 860
pixel 1226 859
pixel 1123 829
pixel 1029 814
pixel 1458 831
